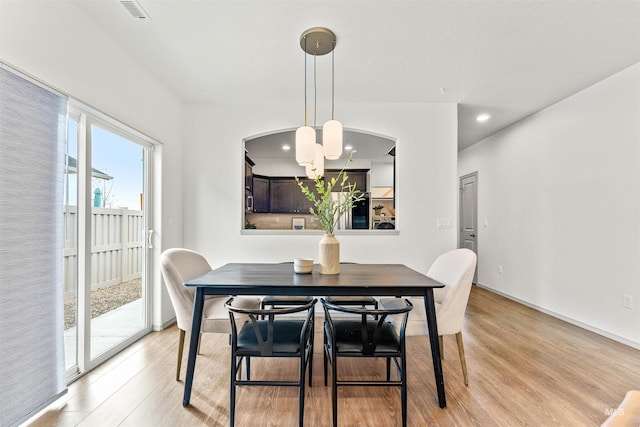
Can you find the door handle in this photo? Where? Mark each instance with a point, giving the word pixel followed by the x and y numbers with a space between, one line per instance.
pixel 150 239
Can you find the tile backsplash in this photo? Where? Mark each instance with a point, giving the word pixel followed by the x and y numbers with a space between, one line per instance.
pixel 271 221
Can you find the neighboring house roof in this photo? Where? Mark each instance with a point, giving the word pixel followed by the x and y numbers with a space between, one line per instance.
pixel 72 167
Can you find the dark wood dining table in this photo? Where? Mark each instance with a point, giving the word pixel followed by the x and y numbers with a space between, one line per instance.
pixel 280 279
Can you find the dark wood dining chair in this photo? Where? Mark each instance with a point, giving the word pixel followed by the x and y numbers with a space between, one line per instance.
pixel 270 333
pixel 284 300
pixel 358 300
pixel 369 336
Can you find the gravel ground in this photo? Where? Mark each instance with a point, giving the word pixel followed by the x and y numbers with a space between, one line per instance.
pixel 104 300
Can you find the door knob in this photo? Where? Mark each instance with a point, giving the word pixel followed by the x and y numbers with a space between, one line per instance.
pixel 472 235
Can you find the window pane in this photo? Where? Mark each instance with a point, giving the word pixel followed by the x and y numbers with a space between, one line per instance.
pixel 117 244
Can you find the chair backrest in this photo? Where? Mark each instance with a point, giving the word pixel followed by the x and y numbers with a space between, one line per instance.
pixel 455 269
pixel 373 324
pixel 180 265
pixel 266 342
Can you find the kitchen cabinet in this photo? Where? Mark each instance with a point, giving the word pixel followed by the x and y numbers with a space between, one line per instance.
pixel 248 184
pixel 261 196
pixel 248 173
pixel 286 196
pixel 354 176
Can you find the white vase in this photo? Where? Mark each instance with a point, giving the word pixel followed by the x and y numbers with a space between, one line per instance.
pixel 329 255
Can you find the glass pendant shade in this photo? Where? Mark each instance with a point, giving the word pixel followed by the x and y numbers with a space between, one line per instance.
pixel 316 168
pixel 332 139
pixel 305 145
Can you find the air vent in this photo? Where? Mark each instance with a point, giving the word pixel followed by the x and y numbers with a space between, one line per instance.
pixel 135 9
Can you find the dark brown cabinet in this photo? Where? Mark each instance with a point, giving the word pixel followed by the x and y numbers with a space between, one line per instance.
pixel 248 173
pixel 283 195
pixel 286 196
pixel 261 196
pixel 248 184
pixel 354 176
pixel 302 203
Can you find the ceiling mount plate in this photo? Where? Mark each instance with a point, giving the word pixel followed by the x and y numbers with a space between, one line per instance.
pixel 318 41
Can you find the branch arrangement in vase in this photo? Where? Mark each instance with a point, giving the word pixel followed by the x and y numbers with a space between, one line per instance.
pixel 325 208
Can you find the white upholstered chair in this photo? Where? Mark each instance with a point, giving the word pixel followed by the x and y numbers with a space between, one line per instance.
pixel 180 265
pixel 455 269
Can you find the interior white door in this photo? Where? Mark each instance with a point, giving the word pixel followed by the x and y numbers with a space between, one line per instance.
pixel 469 213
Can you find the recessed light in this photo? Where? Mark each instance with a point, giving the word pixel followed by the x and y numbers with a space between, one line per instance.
pixel 286 147
pixel 483 117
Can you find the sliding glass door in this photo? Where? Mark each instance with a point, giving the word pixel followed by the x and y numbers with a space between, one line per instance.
pixel 118 309
pixel 70 246
pixel 107 212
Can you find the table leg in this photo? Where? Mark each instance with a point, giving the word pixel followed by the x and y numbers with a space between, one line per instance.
pixel 430 310
pixel 196 321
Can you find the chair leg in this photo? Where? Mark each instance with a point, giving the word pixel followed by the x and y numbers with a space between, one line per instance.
pixel 441 347
pixel 180 349
pixel 324 359
pixel 311 343
pixel 334 389
pixel 463 363
pixel 310 364
pixel 232 391
pixel 388 368
pixel 403 388
pixel 303 369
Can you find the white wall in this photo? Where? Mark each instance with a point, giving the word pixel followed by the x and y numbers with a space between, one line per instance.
pixel 561 194
pixel 70 53
pixel 56 43
pixel 214 168
pixel 381 174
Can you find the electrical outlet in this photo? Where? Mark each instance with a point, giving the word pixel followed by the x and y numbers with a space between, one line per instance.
pixel 627 301
pixel 277 219
pixel 500 269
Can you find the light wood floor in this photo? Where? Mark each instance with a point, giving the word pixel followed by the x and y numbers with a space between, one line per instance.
pixel 525 369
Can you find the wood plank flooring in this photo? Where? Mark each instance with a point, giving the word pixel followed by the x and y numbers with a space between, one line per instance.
pixel 525 369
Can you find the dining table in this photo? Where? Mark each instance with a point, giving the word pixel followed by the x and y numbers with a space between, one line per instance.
pixel 391 280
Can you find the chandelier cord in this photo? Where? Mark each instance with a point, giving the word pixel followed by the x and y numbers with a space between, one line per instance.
pixel 333 97
pixel 315 92
pixel 305 79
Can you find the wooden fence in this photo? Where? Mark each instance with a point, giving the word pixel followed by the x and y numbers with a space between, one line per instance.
pixel 116 247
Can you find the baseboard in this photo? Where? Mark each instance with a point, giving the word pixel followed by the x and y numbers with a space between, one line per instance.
pixel 165 325
pixel 574 322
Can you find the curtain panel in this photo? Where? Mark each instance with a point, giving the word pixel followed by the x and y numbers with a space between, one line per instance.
pixel 33 123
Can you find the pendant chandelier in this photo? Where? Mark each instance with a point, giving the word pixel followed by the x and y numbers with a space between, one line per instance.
pixel 318 41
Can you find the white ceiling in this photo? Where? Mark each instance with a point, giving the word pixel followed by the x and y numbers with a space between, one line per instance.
pixel 509 58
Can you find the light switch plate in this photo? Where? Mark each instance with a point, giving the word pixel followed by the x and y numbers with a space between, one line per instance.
pixel 444 223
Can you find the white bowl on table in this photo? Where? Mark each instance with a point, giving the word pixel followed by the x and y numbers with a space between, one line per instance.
pixel 303 265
